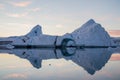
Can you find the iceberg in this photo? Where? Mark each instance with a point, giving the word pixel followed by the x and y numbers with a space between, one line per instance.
pixel 90 34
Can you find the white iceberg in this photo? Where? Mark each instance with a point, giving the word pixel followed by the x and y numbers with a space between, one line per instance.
pixel 89 34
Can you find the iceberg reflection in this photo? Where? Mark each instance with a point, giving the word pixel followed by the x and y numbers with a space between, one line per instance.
pixel 91 59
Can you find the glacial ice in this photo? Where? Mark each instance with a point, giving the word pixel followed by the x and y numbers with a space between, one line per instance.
pixel 89 34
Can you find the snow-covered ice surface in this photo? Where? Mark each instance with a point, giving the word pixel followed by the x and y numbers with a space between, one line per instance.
pixel 91 34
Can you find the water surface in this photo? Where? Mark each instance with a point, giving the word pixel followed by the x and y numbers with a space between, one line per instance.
pixel 60 64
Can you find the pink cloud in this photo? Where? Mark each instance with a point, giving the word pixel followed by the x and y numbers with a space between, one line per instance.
pixel 16 15
pixel 1 6
pixel 15 75
pixel 115 57
pixel 35 9
pixel 115 33
pixel 21 4
pixel 59 25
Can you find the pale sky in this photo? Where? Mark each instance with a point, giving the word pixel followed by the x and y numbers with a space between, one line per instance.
pixel 18 17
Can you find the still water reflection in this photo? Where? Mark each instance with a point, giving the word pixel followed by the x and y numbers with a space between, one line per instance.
pixel 91 59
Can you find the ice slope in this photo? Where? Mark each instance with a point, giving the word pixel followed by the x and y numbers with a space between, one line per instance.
pixel 91 34
pixel 36 31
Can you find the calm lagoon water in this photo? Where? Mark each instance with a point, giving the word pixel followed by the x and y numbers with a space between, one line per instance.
pixel 60 64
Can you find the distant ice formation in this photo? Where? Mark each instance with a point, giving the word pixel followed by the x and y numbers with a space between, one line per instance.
pixel 89 34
